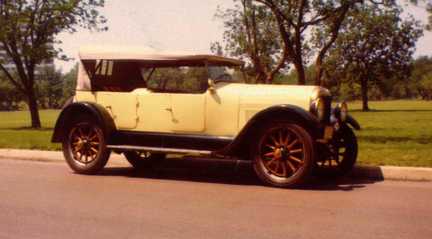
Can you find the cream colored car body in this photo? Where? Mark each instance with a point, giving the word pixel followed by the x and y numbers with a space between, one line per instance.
pixel 223 111
pixel 135 102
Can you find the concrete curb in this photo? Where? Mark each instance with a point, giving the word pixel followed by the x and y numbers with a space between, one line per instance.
pixel 48 156
pixel 393 173
pixel 363 172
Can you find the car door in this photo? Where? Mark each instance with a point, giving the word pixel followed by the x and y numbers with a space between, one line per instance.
pixel 188 112
pixel 185 89
pixel 122 106
pixel 114 84
pixel 153 111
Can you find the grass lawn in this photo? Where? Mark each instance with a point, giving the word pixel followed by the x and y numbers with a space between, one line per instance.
pixel 393 133
pixel 15 131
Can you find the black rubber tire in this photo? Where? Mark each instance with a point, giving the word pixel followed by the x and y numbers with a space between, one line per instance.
pixel 349 156
pixel 97 164
pixel 302 174
pixel 139 162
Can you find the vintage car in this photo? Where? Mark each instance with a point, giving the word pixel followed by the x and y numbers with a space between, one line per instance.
pixel 147 104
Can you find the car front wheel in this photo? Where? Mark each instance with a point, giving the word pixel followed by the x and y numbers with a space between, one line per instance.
pixel 84 147
pixel 283 154
pixel 340 154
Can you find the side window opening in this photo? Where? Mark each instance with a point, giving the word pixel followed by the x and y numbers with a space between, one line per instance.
pixel 116 76
pixel 104 67
pixel 127 75
pixel 184 79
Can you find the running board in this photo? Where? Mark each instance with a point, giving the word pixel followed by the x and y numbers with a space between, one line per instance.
pixel 159 150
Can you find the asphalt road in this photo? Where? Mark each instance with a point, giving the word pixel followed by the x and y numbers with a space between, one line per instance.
pixel 202 200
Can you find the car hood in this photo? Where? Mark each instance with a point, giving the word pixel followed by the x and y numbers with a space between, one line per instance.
pixel 259 96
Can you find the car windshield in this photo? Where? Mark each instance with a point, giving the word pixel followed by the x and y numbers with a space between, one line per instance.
pixel 226 73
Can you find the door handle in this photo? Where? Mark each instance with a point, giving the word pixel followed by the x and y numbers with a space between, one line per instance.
pixel 174 120
pixel 109 108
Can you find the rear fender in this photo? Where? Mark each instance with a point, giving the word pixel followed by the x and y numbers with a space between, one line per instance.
pixel 71 111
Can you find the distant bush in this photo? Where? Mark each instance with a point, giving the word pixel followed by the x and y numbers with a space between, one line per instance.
pixel 9 96
pixel 425 87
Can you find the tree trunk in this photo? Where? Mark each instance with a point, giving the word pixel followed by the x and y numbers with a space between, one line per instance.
pixel 319 71
pixel 33 107
pixel 269 79
pixel 260 77
pixel 301 76
pixel 364 92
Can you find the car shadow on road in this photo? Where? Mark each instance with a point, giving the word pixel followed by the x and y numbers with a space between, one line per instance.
pixel 226 172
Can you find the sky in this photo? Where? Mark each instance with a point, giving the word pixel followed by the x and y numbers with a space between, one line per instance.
pixel 177 25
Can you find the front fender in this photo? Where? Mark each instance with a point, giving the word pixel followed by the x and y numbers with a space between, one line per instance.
pixel 71 111
pixel 354 123
pixel 292 113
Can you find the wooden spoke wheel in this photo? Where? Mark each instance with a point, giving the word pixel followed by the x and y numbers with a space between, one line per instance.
pixel 85 143
pixel 283 155
pixel 84 147
pixel 143 159
pixel 340 155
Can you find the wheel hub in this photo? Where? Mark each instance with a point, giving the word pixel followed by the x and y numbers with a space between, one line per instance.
pixel 285 153
pixel 282 152
pixel 84 144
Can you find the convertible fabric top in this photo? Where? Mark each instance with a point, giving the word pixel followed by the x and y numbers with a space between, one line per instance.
pixel 145 55
pixel 149 55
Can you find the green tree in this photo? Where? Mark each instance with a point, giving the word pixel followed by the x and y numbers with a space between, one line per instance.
pixel 421 76
pixel 27 32
pixel 69 84
pixel 375 45
pixel 49 87
pixel 427 5
pixel 251 34
pixel 9 96
pixel 426 86
pixel 295 18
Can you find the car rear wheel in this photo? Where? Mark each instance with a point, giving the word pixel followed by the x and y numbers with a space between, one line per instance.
pixel 140 159
pixel 283 154
pixel 84 147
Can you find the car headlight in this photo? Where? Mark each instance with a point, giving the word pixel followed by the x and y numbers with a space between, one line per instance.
pixel 343 111
pixel 320 104
pixel 320 109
